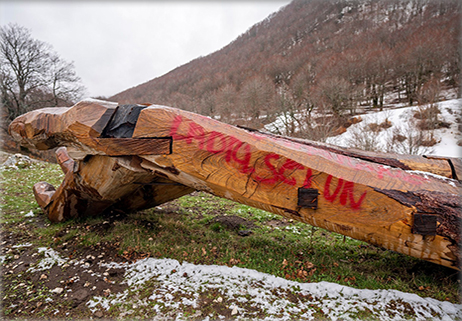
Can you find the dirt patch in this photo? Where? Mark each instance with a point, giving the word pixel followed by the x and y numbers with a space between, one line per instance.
pixel 278 223
pixel 233 222
pixel 56 283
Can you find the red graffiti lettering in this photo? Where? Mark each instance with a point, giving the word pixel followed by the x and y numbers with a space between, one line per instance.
pixel 174 129
pixel 216 143
pixel 244 161
pixel 239 153
pixel 196 132
pixel 346 190
pixel 327 195
pixel 289 165
pixel 278 174
pixel 347 194
pixel 230 143
pixel 308 178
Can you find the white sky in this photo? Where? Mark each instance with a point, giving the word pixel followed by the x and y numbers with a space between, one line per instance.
pixel 120 44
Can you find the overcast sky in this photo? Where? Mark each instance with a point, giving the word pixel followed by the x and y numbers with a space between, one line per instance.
pixel 116 45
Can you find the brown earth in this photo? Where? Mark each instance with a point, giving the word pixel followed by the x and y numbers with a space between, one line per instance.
pixel 69 285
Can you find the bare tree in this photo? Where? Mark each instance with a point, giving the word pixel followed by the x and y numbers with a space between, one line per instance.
pixel 226 103
pixel 257 95
pixel 32 75
pixel 288 122
pixel 337 95
pixel 405 139
pixel 377 65
pixel 63 81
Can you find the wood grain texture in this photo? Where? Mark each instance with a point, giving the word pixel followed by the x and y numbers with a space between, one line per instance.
pixel 375 197
pixel 101 183
pixel 129 146
pixel 432 164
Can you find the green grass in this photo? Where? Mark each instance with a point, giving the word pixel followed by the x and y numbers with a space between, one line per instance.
pixel 16 188
pixel 185 230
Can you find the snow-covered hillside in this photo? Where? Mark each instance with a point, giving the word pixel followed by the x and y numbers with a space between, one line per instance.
pixel 402 119
pixel 390 124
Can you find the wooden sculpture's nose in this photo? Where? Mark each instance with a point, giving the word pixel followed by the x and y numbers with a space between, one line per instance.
pixel 20 133
pixel 17 129
pixel 30 136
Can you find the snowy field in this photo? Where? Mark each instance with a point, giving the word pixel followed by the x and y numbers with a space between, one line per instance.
pixel 402 121
pixel 402 118
pixel 247 294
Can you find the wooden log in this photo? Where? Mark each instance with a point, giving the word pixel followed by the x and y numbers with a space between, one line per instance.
pixel 101 183
pixel 409 204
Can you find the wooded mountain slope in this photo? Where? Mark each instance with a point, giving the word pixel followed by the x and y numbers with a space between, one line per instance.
pixel 330 55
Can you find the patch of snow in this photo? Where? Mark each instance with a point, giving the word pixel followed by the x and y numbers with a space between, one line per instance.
pixel 21 245
pixel 180 284
pixel 30 214
pixel 401 118
pixel 450 181
pixel 51 257
pixel 17 161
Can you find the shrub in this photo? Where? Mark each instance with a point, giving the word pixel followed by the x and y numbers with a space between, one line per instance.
pixel 364 139
pixel 385 124
pixel 427 124
pixel 375 127
pixel 398 138
pixel 429 142
pixel 352 121
pixel 427 113
pixel 406 140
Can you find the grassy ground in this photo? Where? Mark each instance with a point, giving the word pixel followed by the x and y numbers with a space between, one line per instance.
pixel 203 229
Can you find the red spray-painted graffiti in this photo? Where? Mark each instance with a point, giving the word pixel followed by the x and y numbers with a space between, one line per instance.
pixel 235 150
pixel 240 154
pixel 278 174
pixel 347 193
pixel 380 170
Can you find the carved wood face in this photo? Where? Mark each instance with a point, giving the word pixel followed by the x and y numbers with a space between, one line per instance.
pixel 48 128
pixel 35 129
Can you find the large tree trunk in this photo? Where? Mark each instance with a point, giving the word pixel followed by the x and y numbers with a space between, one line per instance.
pixel 133 156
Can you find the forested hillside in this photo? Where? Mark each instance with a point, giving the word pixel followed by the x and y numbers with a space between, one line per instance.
pixel 331 57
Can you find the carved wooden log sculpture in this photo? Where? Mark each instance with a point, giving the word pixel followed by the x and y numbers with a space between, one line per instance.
pixel 132 157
